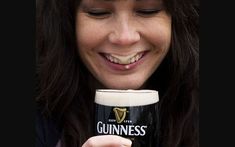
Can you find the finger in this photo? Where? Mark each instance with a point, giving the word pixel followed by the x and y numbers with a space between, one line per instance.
pixel 107 141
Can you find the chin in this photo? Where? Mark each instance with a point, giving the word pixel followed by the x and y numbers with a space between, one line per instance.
pixel 124 86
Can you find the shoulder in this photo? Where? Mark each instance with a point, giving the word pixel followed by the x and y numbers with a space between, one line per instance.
pixel 47 131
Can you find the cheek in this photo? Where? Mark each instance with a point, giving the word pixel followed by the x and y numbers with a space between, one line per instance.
pixel 160 36
pixel 88 33
pixel 159 30
pixel 84 37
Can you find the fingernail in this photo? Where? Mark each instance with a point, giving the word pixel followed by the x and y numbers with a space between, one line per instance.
pixel 126 142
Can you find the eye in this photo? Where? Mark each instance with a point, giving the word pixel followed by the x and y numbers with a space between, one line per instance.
pixel 98 13
pixel 147 12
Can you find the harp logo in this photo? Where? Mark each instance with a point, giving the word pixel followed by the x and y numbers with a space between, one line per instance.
pixel 120 114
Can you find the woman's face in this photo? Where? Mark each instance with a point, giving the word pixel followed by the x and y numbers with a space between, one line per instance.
pixel 122 42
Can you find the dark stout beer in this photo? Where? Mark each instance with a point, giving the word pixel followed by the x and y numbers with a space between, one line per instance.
pixel 129 113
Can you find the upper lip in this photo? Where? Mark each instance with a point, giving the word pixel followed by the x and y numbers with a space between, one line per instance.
pixel 124 59
pixel 123 54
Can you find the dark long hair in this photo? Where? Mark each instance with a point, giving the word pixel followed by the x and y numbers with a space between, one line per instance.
pixel 65 91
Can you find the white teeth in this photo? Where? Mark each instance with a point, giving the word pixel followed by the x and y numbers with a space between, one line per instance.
pixel 132 60
pixel 124 59
pixel 111 59
pixel 115 60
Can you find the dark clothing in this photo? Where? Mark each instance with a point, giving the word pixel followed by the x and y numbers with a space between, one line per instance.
pixel 47 132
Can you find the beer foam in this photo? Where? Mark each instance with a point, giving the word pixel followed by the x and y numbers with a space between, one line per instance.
pixel 113 97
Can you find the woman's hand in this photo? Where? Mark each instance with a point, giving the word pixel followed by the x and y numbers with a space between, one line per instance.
pixel 107 141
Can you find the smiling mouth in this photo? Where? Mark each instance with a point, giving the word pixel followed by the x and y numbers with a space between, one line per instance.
pixel 124 60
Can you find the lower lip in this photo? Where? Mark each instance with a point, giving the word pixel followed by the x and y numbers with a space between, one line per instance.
pixel 122 67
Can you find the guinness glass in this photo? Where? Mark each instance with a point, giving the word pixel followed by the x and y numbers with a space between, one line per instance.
pixel 128 113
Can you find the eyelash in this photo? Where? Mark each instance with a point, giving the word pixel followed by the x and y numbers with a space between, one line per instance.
pixel 147 12
pixel 98 13
pixel 104 14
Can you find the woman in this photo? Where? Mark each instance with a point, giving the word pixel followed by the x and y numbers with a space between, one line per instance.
pixel 118 44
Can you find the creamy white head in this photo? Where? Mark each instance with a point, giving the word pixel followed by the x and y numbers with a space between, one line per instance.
pixel 111 97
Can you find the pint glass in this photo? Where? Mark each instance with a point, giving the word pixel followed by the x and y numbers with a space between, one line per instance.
pixel 131 114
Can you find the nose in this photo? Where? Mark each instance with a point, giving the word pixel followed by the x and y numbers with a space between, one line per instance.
pixel 124 32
